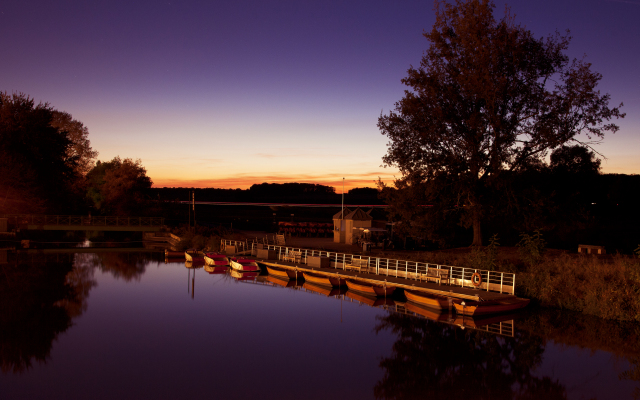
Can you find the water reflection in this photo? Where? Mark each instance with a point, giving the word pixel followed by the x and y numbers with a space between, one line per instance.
pixel 39 302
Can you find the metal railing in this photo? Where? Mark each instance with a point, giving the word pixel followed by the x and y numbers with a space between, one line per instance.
pixel 79 220
pixel 501 282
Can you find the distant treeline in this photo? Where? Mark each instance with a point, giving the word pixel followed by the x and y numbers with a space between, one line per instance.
pixel 307 193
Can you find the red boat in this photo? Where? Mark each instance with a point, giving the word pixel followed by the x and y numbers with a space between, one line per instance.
pixel 244 264
pixel 213 269
pixel 217 259
pixel 369 288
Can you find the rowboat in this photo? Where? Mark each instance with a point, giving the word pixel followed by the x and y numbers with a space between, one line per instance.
pixel 216 259
pixel 172 254
pixel 323 289
pixel 194 256
pixel 284 273
pixel 276 280
pixel 369 300
pixel 244 264
pixel 243 276
pixel 471 307
pixel 324 280
pixel 370 289
pixel 214 269
pixel 427 299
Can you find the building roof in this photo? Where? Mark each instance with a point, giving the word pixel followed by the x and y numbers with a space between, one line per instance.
pixel 346 212
pixel 358 215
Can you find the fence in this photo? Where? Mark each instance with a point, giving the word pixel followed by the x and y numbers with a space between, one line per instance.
pixel 502 282
pixel 78 220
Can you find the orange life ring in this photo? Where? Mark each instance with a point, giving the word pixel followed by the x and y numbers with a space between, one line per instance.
pixel 476 279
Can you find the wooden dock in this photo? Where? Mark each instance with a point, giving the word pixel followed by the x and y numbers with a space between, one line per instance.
pixel 401 283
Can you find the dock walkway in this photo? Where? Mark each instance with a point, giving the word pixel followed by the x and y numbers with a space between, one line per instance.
pixel 402 283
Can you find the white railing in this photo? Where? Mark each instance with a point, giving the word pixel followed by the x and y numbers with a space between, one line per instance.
pixel 501 282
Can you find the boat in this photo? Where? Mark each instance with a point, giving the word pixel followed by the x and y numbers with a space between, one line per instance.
pixel 324 289
pixel 216 259
pixel 194 256
pixel 243 276
pixel 473 308
pixel 284 273
pixel 276 280
pixel 215 269
pixel 372 301
pixel 172 254
pixel 244 264
pixel 427 299
pixel 325 280
pixel 369 288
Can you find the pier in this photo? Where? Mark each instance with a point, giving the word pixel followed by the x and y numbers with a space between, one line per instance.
pixel 401 274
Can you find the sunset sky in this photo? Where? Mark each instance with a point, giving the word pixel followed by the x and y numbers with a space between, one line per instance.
pixel 231 93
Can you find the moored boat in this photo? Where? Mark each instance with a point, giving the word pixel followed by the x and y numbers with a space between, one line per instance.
pixel 173 254
pixel 369 288
pixel 427 312
pixel 216 259
pixel 427 299
pixel 325 280
pixel 194 256
pixel 284 273
pixel 471 307
pixel 244 264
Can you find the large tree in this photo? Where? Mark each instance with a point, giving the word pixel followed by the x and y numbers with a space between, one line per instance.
pixel 78 134
pixel 488 98
pixel 37 168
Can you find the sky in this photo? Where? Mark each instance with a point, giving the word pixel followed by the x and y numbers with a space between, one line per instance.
pixel 231 93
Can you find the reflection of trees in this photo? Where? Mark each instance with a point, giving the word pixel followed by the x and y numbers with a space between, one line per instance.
pixel 38 303
pixel 127 266
pixel 438 361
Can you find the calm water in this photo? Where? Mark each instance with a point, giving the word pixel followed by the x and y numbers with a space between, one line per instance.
pixel 126 325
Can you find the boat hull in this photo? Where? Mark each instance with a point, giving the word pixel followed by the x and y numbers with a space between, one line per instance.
pixel 243 276
pixel 323 280
pixel 427 312
pixel 427 300
pixel 214 269
pixel 244 265
pixel 474 308
pixel 284 273
pixel 323 289
pixel 194 258
pixel 216 259
pixel 370 289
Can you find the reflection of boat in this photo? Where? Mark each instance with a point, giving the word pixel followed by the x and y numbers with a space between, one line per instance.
pixel 282 282
pixel 369 300
pixel 173 254
pixel 427 312
pixel 284 273
pixel 216 259
pixel 324 280
pixel 322 289
pixel 244 264
pixel 478 322
pixel 370 289
pixel 243 276
pixel 427 299
pixel 471 307
pixel 214 269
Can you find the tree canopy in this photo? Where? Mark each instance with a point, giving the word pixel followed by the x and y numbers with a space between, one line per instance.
pixel 37 166
pixel 78 134
pixel 488 99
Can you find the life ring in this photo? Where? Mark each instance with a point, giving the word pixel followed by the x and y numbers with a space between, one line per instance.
pixel 476 279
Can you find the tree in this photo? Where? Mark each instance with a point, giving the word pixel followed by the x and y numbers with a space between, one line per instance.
pixel 37 169
pixel 78 134
pixel 119 186
pixel 488 98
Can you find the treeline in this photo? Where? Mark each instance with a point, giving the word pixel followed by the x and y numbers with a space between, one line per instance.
pixel 47 166
pixel 306 193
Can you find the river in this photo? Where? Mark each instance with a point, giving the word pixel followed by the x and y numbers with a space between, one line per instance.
pixel 129 325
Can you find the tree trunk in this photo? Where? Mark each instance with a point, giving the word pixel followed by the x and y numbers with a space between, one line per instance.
pixel 477 231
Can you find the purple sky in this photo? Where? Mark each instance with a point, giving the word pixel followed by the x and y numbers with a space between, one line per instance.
pixel 231 93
